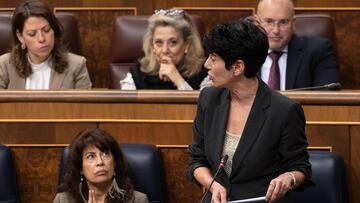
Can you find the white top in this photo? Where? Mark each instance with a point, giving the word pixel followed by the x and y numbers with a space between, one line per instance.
pixel 128 83
pixel 265 69
pixel 40 78
pixel 231 142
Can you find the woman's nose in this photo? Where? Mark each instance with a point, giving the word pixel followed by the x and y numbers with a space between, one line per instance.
pixel 207 63
pixel 99 161
pixel 165 48
pixel 41 37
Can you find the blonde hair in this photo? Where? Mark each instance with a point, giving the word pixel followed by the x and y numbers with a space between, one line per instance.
pixel 193 60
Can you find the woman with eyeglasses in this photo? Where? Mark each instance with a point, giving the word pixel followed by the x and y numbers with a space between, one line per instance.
pixel 38 58
pixel 97 171
pixel 173 55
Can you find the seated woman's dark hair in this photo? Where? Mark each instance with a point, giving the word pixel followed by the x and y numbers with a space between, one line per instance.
pixel 239 40
pixel 36 8
pixel 106 143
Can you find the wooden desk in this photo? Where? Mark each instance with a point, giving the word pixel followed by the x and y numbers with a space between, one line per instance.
pixel 38 124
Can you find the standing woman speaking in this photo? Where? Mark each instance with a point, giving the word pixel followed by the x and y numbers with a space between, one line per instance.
pixel 261 131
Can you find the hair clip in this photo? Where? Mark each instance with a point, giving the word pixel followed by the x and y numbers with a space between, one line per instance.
pixel 169 12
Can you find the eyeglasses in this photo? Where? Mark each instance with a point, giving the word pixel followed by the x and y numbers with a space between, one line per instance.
pixel 272 23
pixel 169 12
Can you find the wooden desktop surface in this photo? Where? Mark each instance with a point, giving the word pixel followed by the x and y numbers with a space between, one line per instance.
pixel 38 124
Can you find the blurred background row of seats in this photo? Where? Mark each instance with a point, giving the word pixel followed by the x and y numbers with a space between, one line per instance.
pixel 128 31
pixel 126 40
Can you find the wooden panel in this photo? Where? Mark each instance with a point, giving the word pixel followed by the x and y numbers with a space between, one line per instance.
pixel 328 113
pixel 40 133
pixel 66 132
pixel 213 16
pixel 147 5
pixel 355 164
pixel 247 3
pixel 37 172
pixel 158 117
pixel 151 133
pixel 143 6
pixel 179 189
pixel 338 137
pixel 347 35
pixel 26 133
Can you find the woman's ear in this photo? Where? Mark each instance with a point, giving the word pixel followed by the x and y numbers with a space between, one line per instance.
pixel 19 36
pixel 186 47
pixel 238 67
pixel 21 39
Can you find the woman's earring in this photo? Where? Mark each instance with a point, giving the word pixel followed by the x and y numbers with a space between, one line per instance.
pixel 81 187
pixel 115 192
pixel 23 46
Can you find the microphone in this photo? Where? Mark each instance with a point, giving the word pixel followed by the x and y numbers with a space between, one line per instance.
pixel 221 165
pixel 331 86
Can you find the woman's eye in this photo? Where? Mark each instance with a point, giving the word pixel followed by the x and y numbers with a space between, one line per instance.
pixel 158 43
pixel 31 34
pixel 173 42
pixel 90 156
pixel 47 29
pixel 106 154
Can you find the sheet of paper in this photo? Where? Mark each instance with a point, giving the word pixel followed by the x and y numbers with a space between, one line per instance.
pixel 249 200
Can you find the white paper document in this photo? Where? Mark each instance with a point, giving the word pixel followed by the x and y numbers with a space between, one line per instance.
pixel 249 200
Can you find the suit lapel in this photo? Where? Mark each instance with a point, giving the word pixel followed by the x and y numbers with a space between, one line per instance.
pixel 253 125
pixel 56 79
pixel 218 127
pixel 295 53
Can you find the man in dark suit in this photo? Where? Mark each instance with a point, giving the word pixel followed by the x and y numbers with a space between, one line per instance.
pixel 303 61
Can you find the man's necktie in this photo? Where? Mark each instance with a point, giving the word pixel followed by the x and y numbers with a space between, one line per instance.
pixel 274 76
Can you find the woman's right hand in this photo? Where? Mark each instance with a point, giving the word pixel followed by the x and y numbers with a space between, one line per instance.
pixel 219 194
pixel 169 72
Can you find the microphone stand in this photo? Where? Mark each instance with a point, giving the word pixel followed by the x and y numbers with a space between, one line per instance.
pixel 221 165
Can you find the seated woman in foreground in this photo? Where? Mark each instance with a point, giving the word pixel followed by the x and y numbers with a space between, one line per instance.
pixel 173 55
pixel 38 59
pixel 97 171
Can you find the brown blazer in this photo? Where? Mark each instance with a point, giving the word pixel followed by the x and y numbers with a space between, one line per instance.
pixel 64 197
pixel 75 75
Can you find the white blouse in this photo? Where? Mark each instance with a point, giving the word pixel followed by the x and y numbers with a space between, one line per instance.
pixel 40 78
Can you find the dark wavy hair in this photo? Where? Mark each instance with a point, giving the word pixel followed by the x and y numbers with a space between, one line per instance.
pixel 239 40
pixel 106 143
pixel 35 8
